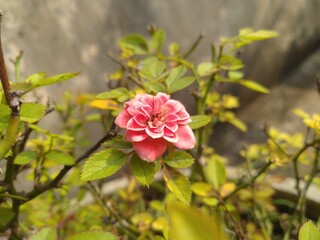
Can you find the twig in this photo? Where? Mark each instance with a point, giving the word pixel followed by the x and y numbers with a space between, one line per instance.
pixel 193 47
pixel 248 183
pixel 55 182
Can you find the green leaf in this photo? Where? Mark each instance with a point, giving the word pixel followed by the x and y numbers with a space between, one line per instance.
pixel 248 35
pixel 174 49
pixel 38 82
pixel 202 189
pixel 135 42
pixel 93 235
pixel 47 233
pixel 179 159
pixel 206 69
pixel 115 93
pixel 60 157
pixel 6 215
pixel 228 62
pixel 25 157
pixel 308 231
pixel 253 86
pixel 154 86
pixel 178 184
pixel 21 86
pixel 152 69
pixel 216 172
pixel 143 171
pixel 32 112
pixel 103 164
pixel 4 116
pixel 157 40
pixel 198 121
pixel 34 78
pixel 187 223
pixel 180 84
pixel 175 74
pixel 118 142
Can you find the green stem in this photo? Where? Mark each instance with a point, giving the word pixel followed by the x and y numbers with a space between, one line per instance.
pixel 251 181
pixel 193 47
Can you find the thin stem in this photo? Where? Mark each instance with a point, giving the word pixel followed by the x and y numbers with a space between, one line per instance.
pixel 301 193
pixel 108 210
pixel 55 182
pixel 251 181
pixel 193 47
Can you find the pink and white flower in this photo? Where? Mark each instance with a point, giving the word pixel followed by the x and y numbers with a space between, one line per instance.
pixel 151 122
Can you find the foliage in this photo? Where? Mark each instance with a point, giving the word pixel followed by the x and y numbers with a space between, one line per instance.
pixel 184 194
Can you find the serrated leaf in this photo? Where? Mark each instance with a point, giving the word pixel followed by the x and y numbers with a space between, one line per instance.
pixel 178 184
pixel 216 172
pixel 206 69
pixel 179 159
pixel 47 233
pixel 202 189
pixel 143 171
pixel 157 40
pixel 60 157
pixel 152 69
pixel 198 121
pixel 154 86
pixel 93 235
pixel 135 42
pixel 32 112
pixel 118 142
pixel 308 231
pixel 253 86
pixel 228 62
pixel 53 79
pixel 115 93
pixel 25 157
pixel 180 84
pixel 175 74
pixel 103 164
pixel 6 215
pixel 187 223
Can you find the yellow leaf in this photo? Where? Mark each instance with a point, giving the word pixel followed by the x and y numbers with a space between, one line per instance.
pixel 105 104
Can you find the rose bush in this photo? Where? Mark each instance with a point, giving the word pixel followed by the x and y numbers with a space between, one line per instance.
pixel 153 122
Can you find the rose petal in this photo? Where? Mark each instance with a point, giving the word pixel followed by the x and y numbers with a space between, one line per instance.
pixel 136 136
pixel 141 119
pixel 170 136
pixel 123 118
pixel 150 149
pixel 173 106
pixel 172 126
pixel 134 126
pixel 155 132
pixel 186 139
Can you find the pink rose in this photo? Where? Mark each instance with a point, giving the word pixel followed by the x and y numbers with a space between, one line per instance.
pixel 152 121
